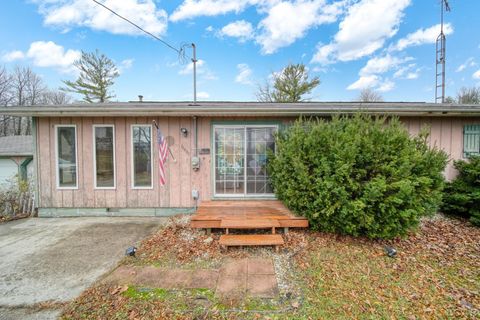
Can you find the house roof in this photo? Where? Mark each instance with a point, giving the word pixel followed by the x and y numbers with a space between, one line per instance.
pixel 16 146
pixel 241 109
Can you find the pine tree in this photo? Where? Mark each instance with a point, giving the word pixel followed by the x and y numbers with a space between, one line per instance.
pixel 97 75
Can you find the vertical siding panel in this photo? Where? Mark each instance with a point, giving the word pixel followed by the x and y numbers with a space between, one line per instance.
pixel 446 141
pixel 47 177
pixel 198 176
pixel 67 195
pixel 56 194
pixel 174 132
pixel 111 195
pixel 131 193
pixel 206 175
pixel 89 193
pixel 435 132
pixel 185 153
pixel 456 148
pixel 78 194
pixel 414 126
pixel 99 194
pixel 164 191
pixel 121 148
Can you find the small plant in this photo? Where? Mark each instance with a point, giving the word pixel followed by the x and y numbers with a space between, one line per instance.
pixel 357 175
pixel 12 196
pixel 462 195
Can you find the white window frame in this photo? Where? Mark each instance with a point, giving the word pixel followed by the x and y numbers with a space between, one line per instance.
pixel 95 157
pixel 244 195
pixel 57 126
pixel 132 158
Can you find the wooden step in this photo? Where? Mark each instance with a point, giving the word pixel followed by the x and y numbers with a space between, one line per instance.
pixel 249 223
pixel 251 240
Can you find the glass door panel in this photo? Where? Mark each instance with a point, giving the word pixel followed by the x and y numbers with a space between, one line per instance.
pixel 240 160
pixel 259 141
pixel 229 161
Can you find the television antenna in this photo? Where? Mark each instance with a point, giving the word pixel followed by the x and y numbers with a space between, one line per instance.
pixel 440 57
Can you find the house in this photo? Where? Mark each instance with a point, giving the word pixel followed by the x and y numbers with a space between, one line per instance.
pixel 102 159
pixel 16 155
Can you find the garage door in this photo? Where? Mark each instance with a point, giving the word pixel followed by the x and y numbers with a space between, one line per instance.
pixel 8 169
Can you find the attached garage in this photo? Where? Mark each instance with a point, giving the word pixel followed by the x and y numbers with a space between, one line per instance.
pixel 16 155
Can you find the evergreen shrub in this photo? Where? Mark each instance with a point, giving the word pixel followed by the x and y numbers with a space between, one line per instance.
pixel 462 195
pixel 357 175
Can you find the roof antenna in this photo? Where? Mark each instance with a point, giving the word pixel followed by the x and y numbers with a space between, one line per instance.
pixel 194 61
pixel 440 58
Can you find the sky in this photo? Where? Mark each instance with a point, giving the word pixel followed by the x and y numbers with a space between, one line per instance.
pixel 387 45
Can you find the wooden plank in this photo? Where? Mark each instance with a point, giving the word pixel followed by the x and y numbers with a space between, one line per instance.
pixel 88 195
pixel 249 224
pixel 99 194
pixel 47 177
pixel 251 240
pixel 164 191
pixel 111 195
pixel 56 194
pixel 78 194
pixel 185 155
pixel 121 147
pixel 174 167
pixel 132 194
pixel 203 224
pixel 67 195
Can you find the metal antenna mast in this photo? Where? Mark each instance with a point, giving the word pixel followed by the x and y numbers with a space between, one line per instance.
pixel 440 57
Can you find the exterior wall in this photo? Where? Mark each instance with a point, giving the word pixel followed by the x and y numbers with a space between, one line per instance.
pixel 446 133
pixel 180 177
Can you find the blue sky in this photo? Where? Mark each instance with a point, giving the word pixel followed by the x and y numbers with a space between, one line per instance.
pixel 350 44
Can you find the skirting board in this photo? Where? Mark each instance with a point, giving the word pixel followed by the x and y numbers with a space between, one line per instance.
pixel 112 212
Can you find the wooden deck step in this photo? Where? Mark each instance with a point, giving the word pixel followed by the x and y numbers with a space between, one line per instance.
pixel 251 240
pixel 249 223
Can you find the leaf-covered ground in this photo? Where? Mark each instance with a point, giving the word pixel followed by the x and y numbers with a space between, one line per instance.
pixel 436 274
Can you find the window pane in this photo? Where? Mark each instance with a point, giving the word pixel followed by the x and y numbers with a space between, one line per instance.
pixel 67 162
pixel 104 156
pixel 142 156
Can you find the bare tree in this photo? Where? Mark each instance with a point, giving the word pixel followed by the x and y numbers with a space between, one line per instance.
pixel 469 95
pixel 5 98
pixel 56 97
pixel 27 90
pixel 369 95
pixel 289 85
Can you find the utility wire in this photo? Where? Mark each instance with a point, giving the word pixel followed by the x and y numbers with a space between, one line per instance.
pixel 180 52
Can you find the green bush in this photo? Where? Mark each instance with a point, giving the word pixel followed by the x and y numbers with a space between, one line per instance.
pixel 462 195
pixel 357 175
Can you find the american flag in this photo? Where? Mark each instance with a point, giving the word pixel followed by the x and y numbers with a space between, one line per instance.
pixel 162 156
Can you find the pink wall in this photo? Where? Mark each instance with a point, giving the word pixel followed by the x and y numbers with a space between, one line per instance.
pixel 446 133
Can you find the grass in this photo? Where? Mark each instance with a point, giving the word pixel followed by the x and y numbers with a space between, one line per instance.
pixel 436 275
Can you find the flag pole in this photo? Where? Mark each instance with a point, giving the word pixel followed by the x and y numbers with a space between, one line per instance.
pixel 170 151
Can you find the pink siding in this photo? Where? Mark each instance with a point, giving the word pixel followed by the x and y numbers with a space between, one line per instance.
pixel 445 133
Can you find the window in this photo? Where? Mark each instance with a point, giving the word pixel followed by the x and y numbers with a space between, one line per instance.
pixel 142 156
pixel 471 140
pixel 66 154
pixel 104 156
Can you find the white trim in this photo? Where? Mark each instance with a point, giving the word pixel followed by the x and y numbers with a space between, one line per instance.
pixel 56 157
pixel 245 194
pixel 95 158
pixel 132 175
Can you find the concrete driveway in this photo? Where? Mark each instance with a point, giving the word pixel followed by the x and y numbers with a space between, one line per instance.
pixel 55 259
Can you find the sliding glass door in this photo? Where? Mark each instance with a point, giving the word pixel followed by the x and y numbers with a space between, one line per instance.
pixel 240 160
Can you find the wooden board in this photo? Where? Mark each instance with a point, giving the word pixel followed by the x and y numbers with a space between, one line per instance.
pixel 251 240
pixel 249 224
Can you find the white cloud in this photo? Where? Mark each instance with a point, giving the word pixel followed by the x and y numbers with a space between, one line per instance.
pixel 85 13
pixel 202 70
pixel 470 62
pixel 209 29
pixel 364 30
pixel 13 56
pixel 288 21
pixel 125 64
pixel 364 82
pixel 240 29
pixel 422 36
pixel 476 75
pixel 244 74
pixel 381 64
pixel 47 54
pixel 203 95
pixel 196 8
pixel 412 75
pixel 387 85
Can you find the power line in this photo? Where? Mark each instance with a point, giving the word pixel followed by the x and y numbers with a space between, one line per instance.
pixel 180 52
